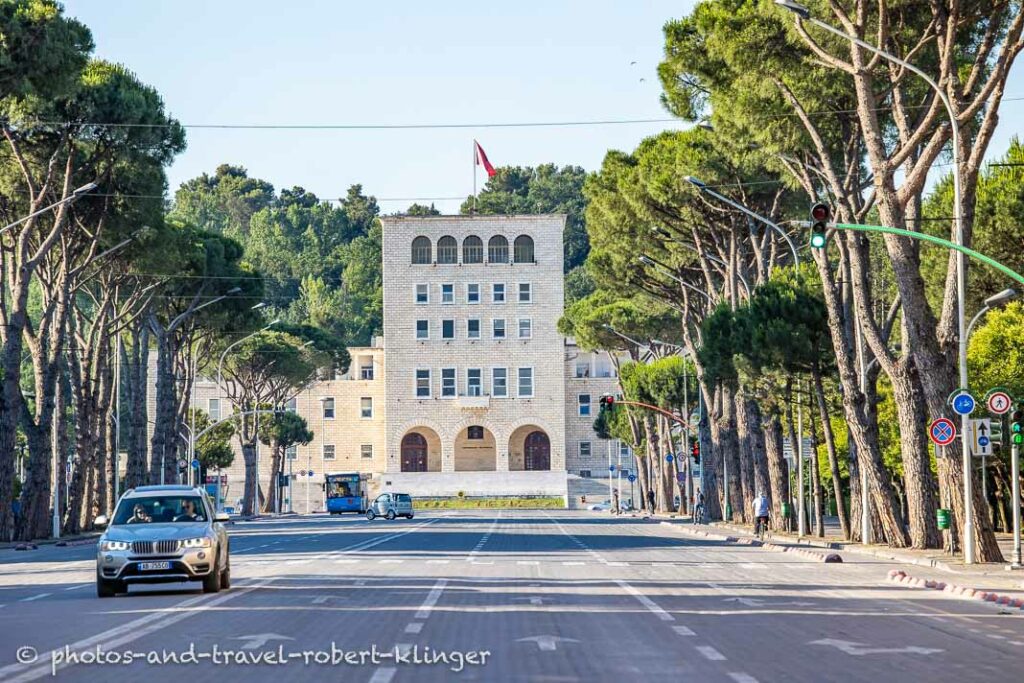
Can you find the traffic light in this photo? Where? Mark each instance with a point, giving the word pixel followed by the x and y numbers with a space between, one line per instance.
pixel 1017 425
pixel 819 223
pixel 606 402
pixel 695 450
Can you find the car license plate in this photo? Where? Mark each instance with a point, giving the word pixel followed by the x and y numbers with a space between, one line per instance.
pixel 154 566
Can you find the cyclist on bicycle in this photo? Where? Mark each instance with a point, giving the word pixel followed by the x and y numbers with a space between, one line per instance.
pixel 761 512
pixel 698 508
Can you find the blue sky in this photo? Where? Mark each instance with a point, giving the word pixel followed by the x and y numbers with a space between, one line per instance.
pixel 396 62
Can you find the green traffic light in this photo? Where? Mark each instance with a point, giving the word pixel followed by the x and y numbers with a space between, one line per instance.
pixel 1015 428
pixel 817 240
pixel 1018 438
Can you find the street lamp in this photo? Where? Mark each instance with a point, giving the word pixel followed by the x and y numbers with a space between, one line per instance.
pixel 703 187
pixel 71 198
pixel 804 14
pixel 993 301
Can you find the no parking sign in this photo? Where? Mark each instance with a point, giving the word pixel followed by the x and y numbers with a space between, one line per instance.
pixel 942 432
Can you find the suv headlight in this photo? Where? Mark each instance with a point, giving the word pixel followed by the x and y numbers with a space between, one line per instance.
pixel 203 542
pixel 114 545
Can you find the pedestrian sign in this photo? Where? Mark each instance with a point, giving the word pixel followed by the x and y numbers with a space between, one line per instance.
pixel 963 403
pixel 998 402
pixel 942 432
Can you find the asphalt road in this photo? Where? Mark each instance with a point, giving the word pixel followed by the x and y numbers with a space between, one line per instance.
pixel 505 596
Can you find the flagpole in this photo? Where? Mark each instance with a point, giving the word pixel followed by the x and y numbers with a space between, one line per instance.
pixel 474 176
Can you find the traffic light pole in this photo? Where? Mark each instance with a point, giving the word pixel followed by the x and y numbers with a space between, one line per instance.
pixel 1015 478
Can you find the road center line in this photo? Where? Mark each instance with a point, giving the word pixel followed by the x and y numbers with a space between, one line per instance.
pixel 651 606
pixel 711 653
pixel 383 675
pixel 432 597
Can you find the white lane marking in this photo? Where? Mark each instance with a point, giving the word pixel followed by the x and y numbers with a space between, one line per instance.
pixel 683 631
pixel 711 653
pixel 383 675
pixel 36 597
pixel 528 562
pixel 155 621
pixel 617 564
pixel 346 560
pixel 414 627
pixel 486 537
pixel 741 677
pixel 996 636
pixel 432 597
pixel 403 648
pixel 81 585
pixel 392 561
pixel 651 606
pixel 573 564
pixel 360 583
pixel 483 562
pixel 438 561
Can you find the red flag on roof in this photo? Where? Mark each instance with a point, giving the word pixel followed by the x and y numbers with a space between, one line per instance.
pixel 481 160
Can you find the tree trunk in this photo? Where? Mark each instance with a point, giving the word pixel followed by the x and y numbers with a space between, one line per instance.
pixel 778 468
pixel 165 441
pixel 137 365
pixel 745 451
pixel 830 447
pixel 728 447
pixel 817 516
pixel 709 458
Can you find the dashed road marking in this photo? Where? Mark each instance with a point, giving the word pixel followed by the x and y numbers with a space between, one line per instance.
pixel 438 561
pixel 392 561
pixel 651 606
pixel 740 677
pixel 36 597
pixel 711 653
pixel 431 600
pixel 683 631
pixel 383 675
pixel 81 585
pixel 414 627
pixel 528 562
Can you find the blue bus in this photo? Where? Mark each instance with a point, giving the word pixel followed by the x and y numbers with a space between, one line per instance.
pixel 346 492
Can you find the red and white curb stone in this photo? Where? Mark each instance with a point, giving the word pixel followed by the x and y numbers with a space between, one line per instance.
pixel 901 577
pixel 819 555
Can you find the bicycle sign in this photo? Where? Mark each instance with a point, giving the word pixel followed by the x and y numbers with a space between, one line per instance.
pixel 942 432
pixel 963 403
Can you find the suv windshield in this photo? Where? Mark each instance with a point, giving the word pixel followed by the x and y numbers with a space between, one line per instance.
pixel 160 510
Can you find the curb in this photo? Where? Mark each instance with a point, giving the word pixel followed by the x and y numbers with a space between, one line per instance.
pixel 955 590
pixel 817 555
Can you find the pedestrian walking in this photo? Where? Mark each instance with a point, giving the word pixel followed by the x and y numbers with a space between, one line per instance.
pixel 615 502
pixel 650 500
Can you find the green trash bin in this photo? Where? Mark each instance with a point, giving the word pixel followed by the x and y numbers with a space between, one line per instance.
pixel 942 517
pixel 786 510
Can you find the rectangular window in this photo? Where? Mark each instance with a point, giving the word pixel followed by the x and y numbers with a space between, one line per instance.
pixel 584 449
pixel 366 450
pixel 583 401
pixel 366 407
pixel 423 384
pixel 474 382
pixel 291 405
pixel 291 453
pixel 328 451
pixel 585 474
pixel 525 328
pixel 525 383
pixel 473 328
pixel 624 449
pixel 447 329
pixel 328 408
pixel 499 382
pixel 213 409
pixel 498 293
pixel 475 433
pixel 366 372
pixel 447 294
pixel 582 369
pixel 473 294
pixel 423 329
pixel 499 328
pixel 448 388
pixel 525 293
pixel 423 294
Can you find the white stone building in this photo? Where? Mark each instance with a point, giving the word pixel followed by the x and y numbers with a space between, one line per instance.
pixel 471 390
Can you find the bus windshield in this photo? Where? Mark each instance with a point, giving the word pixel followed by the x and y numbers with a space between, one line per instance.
pixel 343 485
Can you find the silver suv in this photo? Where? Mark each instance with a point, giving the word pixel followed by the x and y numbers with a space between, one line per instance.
pixel 163 534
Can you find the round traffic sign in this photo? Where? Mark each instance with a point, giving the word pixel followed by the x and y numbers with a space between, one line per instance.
pixel 611 468
pixel 963 403
pixel 182 463
pixel 942 432
pixel 983 441
pixel 195 463
pixel 669 457
pixel 631 478
pixel 999 403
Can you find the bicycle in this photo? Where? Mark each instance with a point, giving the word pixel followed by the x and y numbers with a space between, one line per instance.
pixel 698 513
pixel 761 528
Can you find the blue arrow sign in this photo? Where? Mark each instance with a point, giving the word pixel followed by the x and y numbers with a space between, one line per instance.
pixel 195 463
pixel 632 478
pixel 669 457
pixel 963 403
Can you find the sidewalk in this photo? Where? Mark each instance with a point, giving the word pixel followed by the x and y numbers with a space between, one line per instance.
pixel 992 575
pixel 77 539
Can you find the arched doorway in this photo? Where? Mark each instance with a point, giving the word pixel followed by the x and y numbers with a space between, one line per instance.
pixel 414 453
pixel 537 451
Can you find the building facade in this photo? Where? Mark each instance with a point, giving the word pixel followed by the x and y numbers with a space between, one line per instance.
pixel 471 390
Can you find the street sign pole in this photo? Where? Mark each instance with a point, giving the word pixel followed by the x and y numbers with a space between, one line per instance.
pixel 1015 478
pixel 801 526
pixel 963 405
